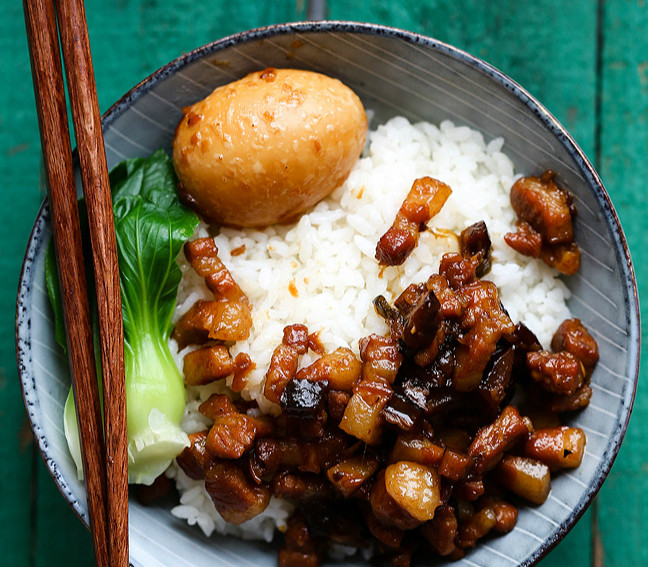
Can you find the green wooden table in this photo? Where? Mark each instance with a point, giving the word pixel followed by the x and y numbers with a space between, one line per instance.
pixel 586 60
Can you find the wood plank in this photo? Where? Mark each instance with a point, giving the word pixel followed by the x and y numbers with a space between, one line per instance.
pixel 19 171
pixel 131 38
pixel 59 537
pixel 623 517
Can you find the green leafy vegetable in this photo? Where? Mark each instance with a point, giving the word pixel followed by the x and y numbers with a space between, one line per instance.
pixel 151 226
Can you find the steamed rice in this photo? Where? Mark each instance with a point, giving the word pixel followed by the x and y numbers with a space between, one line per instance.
pixel 321 271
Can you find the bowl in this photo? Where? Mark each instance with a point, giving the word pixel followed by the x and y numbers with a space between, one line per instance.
pixel 395 73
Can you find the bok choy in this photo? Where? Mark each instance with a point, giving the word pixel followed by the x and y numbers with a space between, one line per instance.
pixel 151 226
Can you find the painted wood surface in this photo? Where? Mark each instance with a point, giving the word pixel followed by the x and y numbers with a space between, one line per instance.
pixel 586 61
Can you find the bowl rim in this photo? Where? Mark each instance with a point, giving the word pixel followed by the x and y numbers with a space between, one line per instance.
pixel 23 347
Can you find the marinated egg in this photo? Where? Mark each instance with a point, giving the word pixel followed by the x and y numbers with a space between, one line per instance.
pixel 263 149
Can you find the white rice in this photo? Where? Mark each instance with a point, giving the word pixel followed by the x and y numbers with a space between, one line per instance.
pixel 322 272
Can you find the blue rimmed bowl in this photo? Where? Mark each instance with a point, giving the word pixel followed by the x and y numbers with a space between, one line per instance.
pixel 395 73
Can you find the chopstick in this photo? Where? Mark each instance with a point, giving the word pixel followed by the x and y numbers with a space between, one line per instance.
pixel 104 464
pixel 96 187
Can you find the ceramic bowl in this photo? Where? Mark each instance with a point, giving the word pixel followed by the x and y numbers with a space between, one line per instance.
pixel 395 73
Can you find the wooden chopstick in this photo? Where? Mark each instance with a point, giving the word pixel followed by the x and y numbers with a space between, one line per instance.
pixel 105 465
pixel 96 187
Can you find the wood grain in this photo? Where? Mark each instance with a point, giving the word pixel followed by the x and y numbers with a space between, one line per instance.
pixel 40 20
pixel 623 164
pixel 551 48
pixel 96 188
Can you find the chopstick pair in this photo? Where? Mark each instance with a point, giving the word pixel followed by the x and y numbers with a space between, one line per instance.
pixel 104 456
